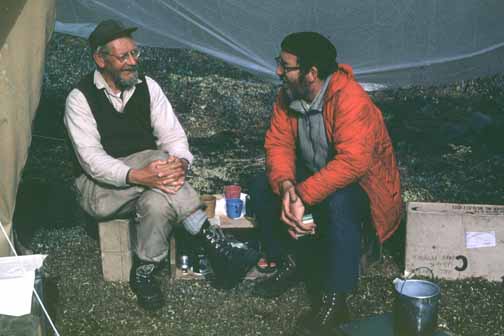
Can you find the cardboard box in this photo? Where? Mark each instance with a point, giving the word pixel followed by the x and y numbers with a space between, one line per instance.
pixel 456 241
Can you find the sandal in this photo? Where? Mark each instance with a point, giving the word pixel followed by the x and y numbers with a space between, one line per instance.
pixel 266 266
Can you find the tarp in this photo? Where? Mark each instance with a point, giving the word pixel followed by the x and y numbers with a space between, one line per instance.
pixel 25 27
pixel 388 42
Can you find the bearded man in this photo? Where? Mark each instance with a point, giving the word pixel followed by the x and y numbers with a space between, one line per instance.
pixel 134 157
pixel 328 153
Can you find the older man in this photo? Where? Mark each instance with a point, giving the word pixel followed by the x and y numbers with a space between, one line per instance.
pixel 134 157
pixel 327 152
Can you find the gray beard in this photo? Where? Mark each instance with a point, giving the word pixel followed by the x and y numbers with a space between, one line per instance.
pixel 124 84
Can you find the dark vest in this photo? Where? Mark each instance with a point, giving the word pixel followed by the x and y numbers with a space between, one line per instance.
pixel 122 134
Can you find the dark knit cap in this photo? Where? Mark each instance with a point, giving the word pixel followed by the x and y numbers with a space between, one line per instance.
pixel 312 48
pixel 107 31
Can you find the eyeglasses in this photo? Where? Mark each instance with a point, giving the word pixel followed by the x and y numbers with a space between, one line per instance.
pixel 280 62
pixel 135 53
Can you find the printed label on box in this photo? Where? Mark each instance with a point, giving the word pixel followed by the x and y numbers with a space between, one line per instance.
pixel 480 239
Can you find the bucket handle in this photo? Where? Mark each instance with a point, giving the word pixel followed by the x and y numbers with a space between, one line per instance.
pixel 413 272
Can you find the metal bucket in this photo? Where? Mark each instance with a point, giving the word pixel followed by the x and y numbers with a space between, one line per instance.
pixel 415 307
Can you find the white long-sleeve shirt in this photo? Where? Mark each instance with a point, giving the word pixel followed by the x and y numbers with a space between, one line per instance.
pixel 86 140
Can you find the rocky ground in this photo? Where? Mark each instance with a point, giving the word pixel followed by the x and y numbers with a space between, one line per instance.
pixel 449 146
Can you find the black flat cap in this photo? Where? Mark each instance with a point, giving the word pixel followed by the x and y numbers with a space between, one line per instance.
pixel 107 31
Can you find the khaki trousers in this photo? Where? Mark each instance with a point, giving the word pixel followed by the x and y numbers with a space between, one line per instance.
pixel 154 212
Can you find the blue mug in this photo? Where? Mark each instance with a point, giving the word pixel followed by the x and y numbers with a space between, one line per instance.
pixel 234 207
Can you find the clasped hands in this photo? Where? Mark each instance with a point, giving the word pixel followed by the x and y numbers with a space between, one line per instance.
pixel 293 210
pixel 166 175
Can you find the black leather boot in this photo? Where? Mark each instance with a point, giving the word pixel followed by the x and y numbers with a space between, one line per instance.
pixel 324 319
pixel 144 285
pixel 230 259
pixel 281 281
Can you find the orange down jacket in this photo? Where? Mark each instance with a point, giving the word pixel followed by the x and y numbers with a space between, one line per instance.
pixel 363 151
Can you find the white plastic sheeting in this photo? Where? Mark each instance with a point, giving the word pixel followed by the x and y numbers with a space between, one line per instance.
pixel 389 42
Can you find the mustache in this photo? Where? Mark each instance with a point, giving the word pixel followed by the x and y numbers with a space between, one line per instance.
pixel 131 68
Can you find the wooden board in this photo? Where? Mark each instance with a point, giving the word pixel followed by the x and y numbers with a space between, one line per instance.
pixel 115 247
pixel 239 223
pixel 253 274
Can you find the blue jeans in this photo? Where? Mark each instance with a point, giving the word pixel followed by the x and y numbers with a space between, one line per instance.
pixel 333 254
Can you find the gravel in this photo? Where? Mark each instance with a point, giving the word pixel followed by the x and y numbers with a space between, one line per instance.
pixel 449 147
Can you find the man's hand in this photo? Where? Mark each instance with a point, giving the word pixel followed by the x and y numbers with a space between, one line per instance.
pixel 173 173
pixel 293 210
pixel 166 175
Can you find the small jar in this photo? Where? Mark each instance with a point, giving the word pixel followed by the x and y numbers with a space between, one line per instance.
pixel 184 263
